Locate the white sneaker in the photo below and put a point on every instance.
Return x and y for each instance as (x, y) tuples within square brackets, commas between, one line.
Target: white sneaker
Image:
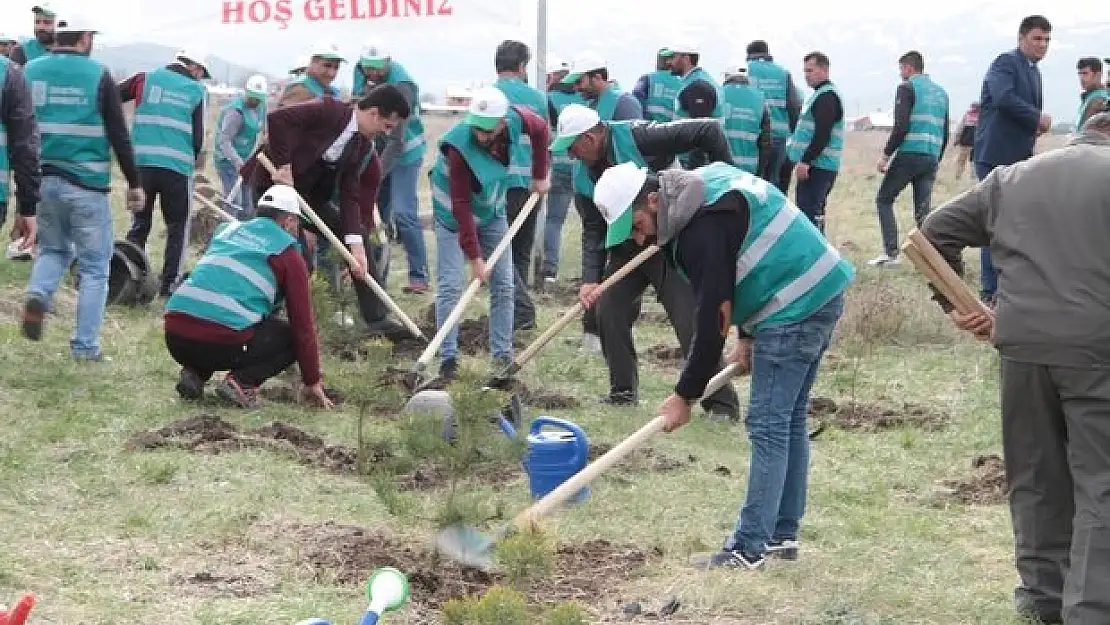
[(591, 343), (884, 259)]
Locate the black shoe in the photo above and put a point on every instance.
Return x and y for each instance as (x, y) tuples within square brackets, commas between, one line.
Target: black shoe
[(621, 398), (189, 385), (389, 329), (449, 370), (784, 548), (34, 309), (721, 412), (729, 559), (524, 324)]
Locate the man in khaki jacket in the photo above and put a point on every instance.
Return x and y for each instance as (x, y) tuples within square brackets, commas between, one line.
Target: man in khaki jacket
[(1046, 221)]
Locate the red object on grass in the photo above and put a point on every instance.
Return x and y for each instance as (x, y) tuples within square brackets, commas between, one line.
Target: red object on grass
[(18, 614)]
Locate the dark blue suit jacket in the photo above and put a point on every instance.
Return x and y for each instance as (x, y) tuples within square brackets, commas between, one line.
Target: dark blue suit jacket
[(1009, 111)]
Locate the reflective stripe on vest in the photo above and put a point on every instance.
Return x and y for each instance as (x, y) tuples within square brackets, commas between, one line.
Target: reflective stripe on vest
[(744, 106), (244, 141), (314, 87), (829, 158), (559, 100), (773, 81), (663, 88), (622, 149), (930, 107), (493, 177), (785, 269), (65, 92), (520, 160), (163, 128), (415, 145), (4, 166)]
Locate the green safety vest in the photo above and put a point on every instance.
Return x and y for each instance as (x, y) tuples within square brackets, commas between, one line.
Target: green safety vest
[(163, 126), (829, 159), (248, 133), (622, 149), (785, 270), (663, 88), (493, 177), (930, 108), (743, 123), (606, 103), (1097, 93), (5, 167), (699, 74), (774, 81), (314, 87), (32, 49), (233, 284), (559, 101), (65, 91), (415, 144), (520, 162)]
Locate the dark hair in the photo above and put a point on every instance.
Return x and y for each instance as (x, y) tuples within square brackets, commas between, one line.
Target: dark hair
[(758, 47), (819, 58), (651, 185), (388, 99), (1034, 22), (1091, 63), (694, 58), (511, 55), (603, 72), (914, 59), (68, 38)]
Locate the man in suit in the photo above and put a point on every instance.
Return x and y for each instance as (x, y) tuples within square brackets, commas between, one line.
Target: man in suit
[(319, 148), (1010, 117)]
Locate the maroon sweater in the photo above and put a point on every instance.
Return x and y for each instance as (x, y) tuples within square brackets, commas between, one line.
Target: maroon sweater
[(292, 278), (463, 182)]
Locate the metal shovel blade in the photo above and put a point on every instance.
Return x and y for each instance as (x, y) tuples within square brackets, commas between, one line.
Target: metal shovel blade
[(467, 546)]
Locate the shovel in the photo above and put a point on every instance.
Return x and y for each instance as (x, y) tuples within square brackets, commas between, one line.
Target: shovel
[(456, 313), (210, 205), (530, 352), (470, 547), (323, 228)]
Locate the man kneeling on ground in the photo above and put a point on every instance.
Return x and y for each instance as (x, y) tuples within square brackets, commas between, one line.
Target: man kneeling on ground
[(222, 317)]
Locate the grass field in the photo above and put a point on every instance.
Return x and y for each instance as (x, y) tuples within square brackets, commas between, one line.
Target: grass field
[(901, 527)]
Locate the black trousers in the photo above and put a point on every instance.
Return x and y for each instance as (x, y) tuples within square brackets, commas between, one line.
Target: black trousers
[(370, 306), (174, 196), (619, 307), (524, 310), (269, 352)]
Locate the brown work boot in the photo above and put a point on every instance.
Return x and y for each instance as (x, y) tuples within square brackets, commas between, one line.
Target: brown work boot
[(34, 309)]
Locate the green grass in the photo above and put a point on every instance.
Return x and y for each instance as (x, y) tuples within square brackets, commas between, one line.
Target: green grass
[(105, 535)]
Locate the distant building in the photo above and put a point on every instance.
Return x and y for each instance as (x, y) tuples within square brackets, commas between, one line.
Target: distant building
[(877, 120)]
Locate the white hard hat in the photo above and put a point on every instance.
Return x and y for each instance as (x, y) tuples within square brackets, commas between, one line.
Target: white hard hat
[(301, 63), (584, 63), (739, 68), (191, 55), (281, 197), (685, 47), (556, 64), (574, 120), (614, 194), (325, 50), (77, 24), (488, 106), (373, 55), (257, 87)]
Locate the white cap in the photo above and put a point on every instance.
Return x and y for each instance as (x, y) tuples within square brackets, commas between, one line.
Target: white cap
[(283, 198), (257, 86), (573, 121), (556, 64), (301, 63), (583, 63), (488, 106), (6, 39), (685, 47), (325, 50), (739, 68), (192, 55), (77, 24), (614, 194), (373, 55)]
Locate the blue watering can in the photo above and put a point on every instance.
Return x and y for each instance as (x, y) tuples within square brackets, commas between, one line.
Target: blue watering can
[(555, 455)]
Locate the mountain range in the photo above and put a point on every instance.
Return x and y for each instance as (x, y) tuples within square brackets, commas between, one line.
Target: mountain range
[(125, 60)]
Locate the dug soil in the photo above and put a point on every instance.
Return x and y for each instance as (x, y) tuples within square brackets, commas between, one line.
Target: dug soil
[(646, 459), (346, 555), (985, 486), (559, 294), (874, 417), (473, 337), (665, 354)]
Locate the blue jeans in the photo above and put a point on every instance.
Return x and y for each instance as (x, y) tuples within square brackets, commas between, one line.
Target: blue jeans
[(558, 202), (812, 193), (244, 200), (74, 222), (774, 167), (452, 275), (402, 209), (905, 168), (785, 360), (988, 279)]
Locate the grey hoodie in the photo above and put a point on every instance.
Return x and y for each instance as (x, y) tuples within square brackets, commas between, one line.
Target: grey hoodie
[(681, 195)]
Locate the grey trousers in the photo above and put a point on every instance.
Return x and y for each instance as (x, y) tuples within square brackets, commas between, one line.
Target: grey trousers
[(1056, 437), (619, 307)]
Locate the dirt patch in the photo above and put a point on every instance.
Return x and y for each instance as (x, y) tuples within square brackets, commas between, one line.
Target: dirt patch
[(473, 336), (645, 459), (667, 354), (545, 400), (874, 417), (431, 476), (211, 584), (346, 555), (986, 485), (558, 293), (211, 434)]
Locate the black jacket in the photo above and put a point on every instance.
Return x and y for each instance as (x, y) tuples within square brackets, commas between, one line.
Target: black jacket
[(659, 143), (18, 116)]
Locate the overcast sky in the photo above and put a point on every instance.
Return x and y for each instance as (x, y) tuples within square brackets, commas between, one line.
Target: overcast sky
[(627, 31)]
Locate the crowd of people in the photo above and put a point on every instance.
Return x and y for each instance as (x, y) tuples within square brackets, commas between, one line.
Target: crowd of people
[(694, 166)]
